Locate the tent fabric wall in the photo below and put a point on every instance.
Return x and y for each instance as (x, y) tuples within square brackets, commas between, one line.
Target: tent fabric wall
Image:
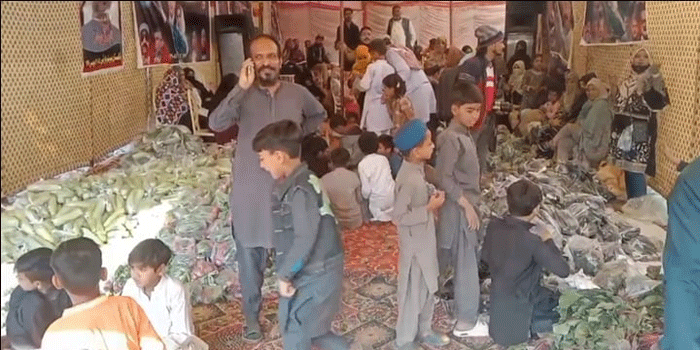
[(431, 19)]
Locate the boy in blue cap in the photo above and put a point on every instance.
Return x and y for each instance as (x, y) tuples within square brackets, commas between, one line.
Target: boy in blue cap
[(415, 210)]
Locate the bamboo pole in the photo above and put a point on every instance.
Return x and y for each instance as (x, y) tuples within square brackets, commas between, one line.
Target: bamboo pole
[(342, 58)]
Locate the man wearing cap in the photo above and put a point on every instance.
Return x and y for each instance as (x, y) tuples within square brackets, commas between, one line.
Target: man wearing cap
[(481, 69), (414, 214)]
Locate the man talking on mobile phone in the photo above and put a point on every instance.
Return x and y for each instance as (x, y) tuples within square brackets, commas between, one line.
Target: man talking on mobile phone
[(260, 98)]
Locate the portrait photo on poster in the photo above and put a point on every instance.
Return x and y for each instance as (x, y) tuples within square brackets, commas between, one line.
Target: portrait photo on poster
[(232, 7), (560, 27), (172, 32), (614, 23), (101, 36)]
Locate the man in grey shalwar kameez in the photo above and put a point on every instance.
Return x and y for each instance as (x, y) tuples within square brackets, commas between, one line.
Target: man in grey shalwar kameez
[(260, 98), (414, 215), (457, 165)]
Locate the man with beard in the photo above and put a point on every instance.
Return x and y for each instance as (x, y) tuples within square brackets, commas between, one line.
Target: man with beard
[(260, 98), (351, 38)]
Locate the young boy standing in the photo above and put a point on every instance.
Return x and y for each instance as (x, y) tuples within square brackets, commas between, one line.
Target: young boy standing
[(414, 214), (162, 298), (35, 303), (375, 176), (309, 250), (457, 166), (95, 321), (516, 255)]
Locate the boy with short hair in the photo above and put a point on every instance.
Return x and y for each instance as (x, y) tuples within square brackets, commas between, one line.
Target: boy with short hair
[(162, 298), (417, 203), (516, 251), (376, 179), (95, 321), (457, 166), (344, 191), (349, 132), (35, 303), (387, 149), (309, 250)]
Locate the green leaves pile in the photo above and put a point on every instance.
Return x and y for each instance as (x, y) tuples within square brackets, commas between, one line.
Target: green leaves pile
[(601, 320)]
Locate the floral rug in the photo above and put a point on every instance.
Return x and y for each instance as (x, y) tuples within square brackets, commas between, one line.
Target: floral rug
[(368, 310)]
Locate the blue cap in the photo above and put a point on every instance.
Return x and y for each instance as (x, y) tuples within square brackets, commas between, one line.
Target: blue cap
[(410, 135)]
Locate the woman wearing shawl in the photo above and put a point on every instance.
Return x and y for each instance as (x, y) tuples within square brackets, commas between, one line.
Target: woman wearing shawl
[(520, 54), (588, 138), (171, 98), (638, 100), (515, 82)]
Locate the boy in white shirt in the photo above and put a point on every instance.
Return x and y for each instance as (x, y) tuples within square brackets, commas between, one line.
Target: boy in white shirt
[(375, 177), (375, 115), (162, 298)]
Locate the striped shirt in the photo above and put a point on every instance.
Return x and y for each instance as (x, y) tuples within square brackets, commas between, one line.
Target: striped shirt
[(105, 323)]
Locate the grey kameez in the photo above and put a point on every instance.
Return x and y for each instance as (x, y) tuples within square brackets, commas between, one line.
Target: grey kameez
[(250, 200), (457, 166), (418, 264)]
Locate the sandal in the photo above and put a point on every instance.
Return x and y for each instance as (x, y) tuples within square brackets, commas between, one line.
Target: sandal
[(252, 336)]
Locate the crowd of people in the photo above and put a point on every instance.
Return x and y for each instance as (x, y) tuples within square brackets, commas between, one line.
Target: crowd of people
[(407, 144)]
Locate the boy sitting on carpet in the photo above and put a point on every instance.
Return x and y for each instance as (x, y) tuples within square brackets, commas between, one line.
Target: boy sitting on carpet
[(415, 208), (95, 321), (344, 191), (516, 251), (35, 303), (387, 149), (375, 176), (162, 298), (309, 250)]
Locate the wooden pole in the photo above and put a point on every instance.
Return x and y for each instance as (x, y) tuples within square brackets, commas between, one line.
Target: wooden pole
[(450, 24), (342, 58)]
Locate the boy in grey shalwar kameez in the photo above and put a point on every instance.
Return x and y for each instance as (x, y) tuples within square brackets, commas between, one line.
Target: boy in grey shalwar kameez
[(309, 250), (415, 207), (457, 165)]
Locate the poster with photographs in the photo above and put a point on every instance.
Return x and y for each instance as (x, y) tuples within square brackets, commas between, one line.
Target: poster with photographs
[(232, 7), (560, 28), (101, 35), (614, 23), (172, 32)]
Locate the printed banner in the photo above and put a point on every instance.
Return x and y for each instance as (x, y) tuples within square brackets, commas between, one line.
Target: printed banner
[(232, 7), (172, 32), (560, 28), (614, 23), (102, 36)]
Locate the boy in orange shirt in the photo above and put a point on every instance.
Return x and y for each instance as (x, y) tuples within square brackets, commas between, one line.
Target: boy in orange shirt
[(95, 321)]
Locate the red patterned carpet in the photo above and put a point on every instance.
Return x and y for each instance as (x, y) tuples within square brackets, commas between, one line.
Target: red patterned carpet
[(368, 312)]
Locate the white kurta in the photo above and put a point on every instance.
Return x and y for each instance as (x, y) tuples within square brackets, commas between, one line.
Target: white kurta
[(418, 87), (169, 311), (398, 36), (375, 115), (377, 186)]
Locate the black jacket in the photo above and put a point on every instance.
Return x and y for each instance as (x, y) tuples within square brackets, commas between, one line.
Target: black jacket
[(516, 258), (30, 314), (352, 35), (317, 54), (305, 234)]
